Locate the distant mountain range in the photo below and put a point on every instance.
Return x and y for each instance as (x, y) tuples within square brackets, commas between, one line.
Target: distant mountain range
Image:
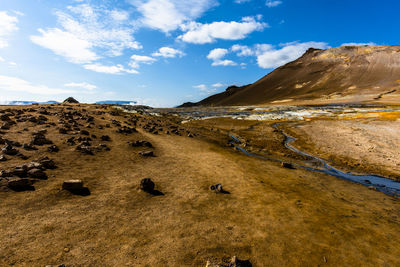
[(346, 74), (115, 102), (105, 102), (20, 103)]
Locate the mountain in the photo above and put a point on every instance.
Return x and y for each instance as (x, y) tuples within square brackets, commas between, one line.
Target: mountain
[(336, 75), (116, 102), (19, 103)]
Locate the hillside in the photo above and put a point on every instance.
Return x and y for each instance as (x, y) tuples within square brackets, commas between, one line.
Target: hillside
[(342, 74)]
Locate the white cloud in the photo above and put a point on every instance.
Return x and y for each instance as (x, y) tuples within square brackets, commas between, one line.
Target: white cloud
[(113, 69), (242, 50), (119, 15), (12, 63), (217, 53), (218, 85), (241, 1), (13, 84), (168, 52), (199, 33), (273, 3), (2, 59), (136, 60), (358, 44), (225, 62), (88, 33), (216, 56), (167, 15), (269, 56), (66, 44), (83, 85), (8, 25)]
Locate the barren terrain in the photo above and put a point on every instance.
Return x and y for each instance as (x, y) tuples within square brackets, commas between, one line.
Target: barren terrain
[(270, 215)]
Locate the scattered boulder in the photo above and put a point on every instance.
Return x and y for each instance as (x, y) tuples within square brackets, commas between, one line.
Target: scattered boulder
[(37, 173), (39, 139), (3, 158), (47, 163), (84, 132), (71, 100), (126, 130), (9, 150), (53, 148), (72, 185), (217, 188), (105, 138), (19, 184), (147, 185), (287, 165), (235, 262), (146, 153), (29, 147), (141, 143), (21, 171)]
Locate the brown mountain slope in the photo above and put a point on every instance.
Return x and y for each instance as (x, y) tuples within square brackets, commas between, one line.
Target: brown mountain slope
[(342, 74)]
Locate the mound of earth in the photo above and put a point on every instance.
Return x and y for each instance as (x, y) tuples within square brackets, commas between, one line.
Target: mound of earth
[(71, 100), (342, 74)]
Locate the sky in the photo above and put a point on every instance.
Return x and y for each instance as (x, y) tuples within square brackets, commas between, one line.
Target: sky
[(163, 53)]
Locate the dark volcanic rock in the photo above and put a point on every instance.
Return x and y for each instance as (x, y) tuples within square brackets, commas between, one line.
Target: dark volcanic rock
[(147, 185), (9, 150), (235, 262), (37, 173), (141, 143), (3, 158), (72, 185), (19, 184), (146, 153), (53, 148), (105, 138)]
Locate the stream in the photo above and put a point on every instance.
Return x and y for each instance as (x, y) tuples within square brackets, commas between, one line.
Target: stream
[(382, 184)]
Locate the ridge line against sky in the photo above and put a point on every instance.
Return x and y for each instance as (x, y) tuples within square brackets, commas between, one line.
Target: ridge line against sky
[(165, 52)]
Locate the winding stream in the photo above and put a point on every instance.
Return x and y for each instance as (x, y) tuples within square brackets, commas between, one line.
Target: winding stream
[(380, 183)]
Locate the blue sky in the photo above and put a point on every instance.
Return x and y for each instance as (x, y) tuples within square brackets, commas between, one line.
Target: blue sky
[(166, 52)]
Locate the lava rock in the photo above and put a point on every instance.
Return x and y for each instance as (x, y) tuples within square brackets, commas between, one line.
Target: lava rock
[(147, 185), (105, 138), (287, 165), (47, 163), (53, 148), (217, 188), (72, 185), (235, 262), (37, 173), (19, 183), (9, 150), (146, 153), (141, 143)]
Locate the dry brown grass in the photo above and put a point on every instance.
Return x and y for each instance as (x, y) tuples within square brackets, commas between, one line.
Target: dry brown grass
[(272, 216)]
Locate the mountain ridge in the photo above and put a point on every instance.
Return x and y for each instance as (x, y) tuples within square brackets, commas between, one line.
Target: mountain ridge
[(341, 74)]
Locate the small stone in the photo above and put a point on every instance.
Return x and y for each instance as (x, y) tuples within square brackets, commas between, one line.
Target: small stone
[(235, 262), (146, 153), (105, 138), (147, 185), (3, 158), (19, 183), (53, 148), (37, 173), (72, 185), (287, 165)]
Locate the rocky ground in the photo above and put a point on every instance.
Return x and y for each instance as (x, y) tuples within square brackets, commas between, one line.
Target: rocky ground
[(267, 214)]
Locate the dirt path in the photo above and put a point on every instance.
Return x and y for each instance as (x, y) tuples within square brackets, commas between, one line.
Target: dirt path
[(272, 216)]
